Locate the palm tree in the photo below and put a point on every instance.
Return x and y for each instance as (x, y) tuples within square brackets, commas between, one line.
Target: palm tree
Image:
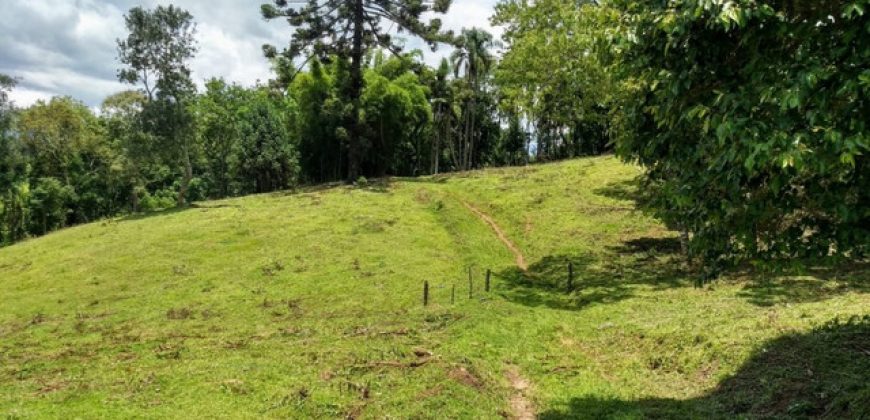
[(472, 58)]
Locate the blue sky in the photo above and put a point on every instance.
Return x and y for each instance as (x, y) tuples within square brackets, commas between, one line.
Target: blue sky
[(67, 47)]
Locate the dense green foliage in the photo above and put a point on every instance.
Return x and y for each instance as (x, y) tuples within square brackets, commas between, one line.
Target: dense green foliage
[(155, 54), (752, 120), (413, 117), (349, 29), (267, 155), (11, 169), (751, 117), (58, 170), (552, 74)]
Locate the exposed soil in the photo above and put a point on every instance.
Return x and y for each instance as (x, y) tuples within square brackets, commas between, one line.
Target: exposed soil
[(462, 375), (518, 255), (521, 406)]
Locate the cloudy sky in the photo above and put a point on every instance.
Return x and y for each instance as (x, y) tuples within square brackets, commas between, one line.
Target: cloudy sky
[(68, 47)]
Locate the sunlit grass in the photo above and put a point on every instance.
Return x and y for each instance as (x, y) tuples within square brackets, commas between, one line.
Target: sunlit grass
[(308, 304)]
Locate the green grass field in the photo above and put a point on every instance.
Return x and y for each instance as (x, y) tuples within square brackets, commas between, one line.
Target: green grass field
[(309, 305)]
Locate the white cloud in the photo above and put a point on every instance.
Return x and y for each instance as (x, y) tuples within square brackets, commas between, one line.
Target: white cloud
[(26, 97), (223, 55), (95, 24), (64, 47), (60, 79)]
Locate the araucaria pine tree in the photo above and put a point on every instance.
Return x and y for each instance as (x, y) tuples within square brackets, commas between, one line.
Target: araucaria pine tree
[(349, 28)]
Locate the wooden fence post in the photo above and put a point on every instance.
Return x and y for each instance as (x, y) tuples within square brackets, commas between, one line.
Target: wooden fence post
[(470, 284), (453, 294), (570, 276), (488, 273), (425, 293)]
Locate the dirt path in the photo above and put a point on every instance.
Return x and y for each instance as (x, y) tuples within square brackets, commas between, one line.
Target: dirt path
[(518, 256), (520, 405)]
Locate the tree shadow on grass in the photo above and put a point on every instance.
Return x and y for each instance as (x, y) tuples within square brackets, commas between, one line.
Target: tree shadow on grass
[(810, 285), (306, 189), (663, 246), (606, 278), (627, 190), (427, 179), (824, 373), (201, 206), (377, 185), (149, 214), (655, 263)]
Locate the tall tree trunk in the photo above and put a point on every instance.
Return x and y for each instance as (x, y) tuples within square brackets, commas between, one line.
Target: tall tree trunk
[(353, 155), (224, 176), (417, 154), (437, 154), (185, 179), (134, 200), (472, 116), (468, 134), (473, 133), (684, 241), (382, 161), (527, 138), (436, 145), (454, 143)]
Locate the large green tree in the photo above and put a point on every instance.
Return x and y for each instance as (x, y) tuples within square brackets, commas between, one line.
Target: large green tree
[(552, 73), (120, 113), (13, 209), (751, 118), (218, 124), (348, 29), (320, 114), (155, 53), (395, 113), (9, 153), (56, 134), (72, 165), (268, 158)]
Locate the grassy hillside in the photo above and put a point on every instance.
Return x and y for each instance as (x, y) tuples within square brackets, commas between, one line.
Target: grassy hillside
[(308, 304)]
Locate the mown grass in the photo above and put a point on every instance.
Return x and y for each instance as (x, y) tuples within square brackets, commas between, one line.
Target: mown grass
[(308, 304)]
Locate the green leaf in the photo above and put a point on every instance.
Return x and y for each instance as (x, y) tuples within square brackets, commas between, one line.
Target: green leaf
[(853, 9)]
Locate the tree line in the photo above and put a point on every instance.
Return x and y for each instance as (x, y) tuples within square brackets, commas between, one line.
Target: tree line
[(164, 143), (749, 117)]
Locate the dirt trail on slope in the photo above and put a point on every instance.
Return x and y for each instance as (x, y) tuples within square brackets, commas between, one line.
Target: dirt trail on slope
[(520, 405), (518, 256)]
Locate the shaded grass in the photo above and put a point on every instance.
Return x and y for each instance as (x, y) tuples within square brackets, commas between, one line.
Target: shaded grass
[(818, 374), (307, 304)]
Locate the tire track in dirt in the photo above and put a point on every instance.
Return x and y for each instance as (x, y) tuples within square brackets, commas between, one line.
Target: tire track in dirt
[(518, 255)]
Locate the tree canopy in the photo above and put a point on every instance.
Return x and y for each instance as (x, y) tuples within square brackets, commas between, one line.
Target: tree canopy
[(156, 51), (751, 119), (348, 29)]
